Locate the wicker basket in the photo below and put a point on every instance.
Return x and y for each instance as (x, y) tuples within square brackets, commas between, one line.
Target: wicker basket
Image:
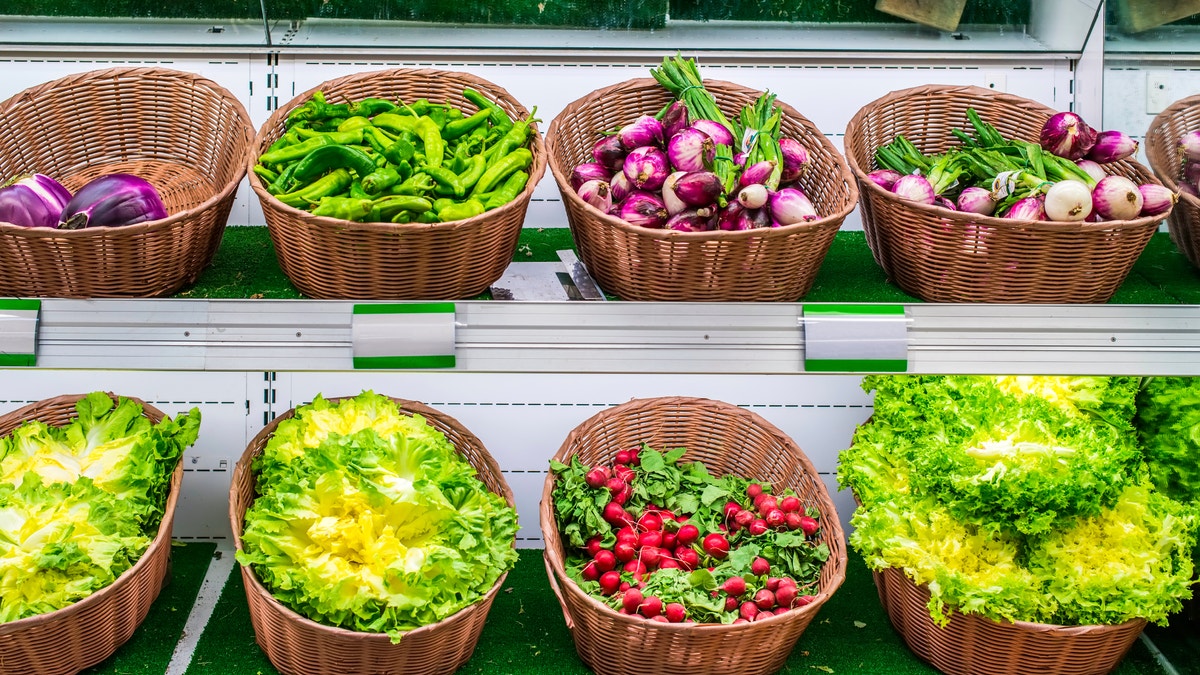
[(973, 645), (297, 645), (1166, 159), (947, 256), (638, 263), (87, 632), (727, 439), (331, 258), (184, 133)]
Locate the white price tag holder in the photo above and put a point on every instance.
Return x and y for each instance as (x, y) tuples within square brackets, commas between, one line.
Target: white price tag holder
[(855, 338), (18, 332), (403, 335)]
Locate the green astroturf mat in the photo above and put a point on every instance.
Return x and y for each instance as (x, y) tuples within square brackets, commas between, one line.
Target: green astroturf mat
[(150, 648), (245, 267), (526, 635)]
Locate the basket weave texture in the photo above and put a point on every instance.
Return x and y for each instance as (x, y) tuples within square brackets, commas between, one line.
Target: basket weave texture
[(1166, 159), (728, 439), (185, 134), (331, 258), (297, 645), (639, 263), (972, 645), (948, 256), (87, 632)]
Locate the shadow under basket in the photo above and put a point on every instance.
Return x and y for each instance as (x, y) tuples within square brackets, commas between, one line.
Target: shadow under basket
[(973, 645), (185, 134), (1166, 159), (332, 258), (297, 645), (640, 263), (727, 439), (940, 255), (83, 634)]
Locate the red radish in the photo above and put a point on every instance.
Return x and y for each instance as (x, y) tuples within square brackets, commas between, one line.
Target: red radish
[(759, 526), (660, 618), (634, 459), (651, 555), (759, 500), (759, 566), (775, 518), (753, 490), (731, 509), (744, 517), (632, 600), (772, 584), (627, 533), (594, 545), (786, 595), (675, 612), (651, 607), (650, 522), (748, 610), (635, 567), (716, 545), (764, 599), (615, 514), (687, 535), (625, 585), (668, 564), (793, 520), (739, 620), (622, 457), (767, 505), (625, 551), (650, 539), (668, 540), (614, 484), (595, 478), (781, 610), (590, 572), (625, 473), (735, 586), (605, 560), (731, 603), (789, 504), (804, 600), (809, 525), (609, 582), (688, 558), (622, 497)]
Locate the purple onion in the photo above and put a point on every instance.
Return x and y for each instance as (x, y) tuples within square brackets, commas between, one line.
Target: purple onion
[(1117, 198), (691, 220), (644, 131), (1191, 173), (915, 188), (720, 134), (1189, 144), (944, 202), (739, 159), (976, 200), (728, 217), (1112, 146), (795, 159), (1092, 168), (1029, 208), (752, 219), (597, 193), (644, 209), (619, 186), (884, 178), (609, 152), (790, 205), (586, 172), (699, 188), (691, 150), (672, 201), (1068, 201), (112, 201), (1156, 199), (646, 167), (1067, 135), (758, 172), (1185, 189), (675, 119), (33, 201), (753, 196)]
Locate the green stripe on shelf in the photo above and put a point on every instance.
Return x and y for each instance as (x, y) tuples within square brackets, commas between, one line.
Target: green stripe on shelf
[(852, 309), (403, 362), (856, 365), (406, 308), (18, 360), (20, 304)]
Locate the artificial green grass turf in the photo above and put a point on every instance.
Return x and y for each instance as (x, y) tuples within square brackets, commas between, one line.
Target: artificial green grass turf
[(526, 635), (153, 643)]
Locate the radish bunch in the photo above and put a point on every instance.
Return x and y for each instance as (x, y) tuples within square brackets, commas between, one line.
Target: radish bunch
[(668, 542)]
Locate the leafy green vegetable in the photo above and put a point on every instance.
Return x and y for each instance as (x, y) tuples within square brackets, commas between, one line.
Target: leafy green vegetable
[(80, 504), (368, 519), (1169, 427)]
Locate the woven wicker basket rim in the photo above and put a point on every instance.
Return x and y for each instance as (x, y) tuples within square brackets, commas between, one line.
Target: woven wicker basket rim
[(160, 539), (1168, 177), (718, 235), (933, 90), (152, 225), (536, 170), (561, 582), (237, 522)]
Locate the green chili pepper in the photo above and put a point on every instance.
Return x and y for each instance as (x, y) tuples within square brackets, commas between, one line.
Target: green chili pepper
[(513, 138), (369, 107), (294, 152), (317, 109), (380, 179), (328, 185), (378, 139), (395, 123), (420, 106), (329, 157), (427, 217), (431, 138), (387, 207), (465, 125), (347, 137), (474, 171), (416, 184), (356, 122), (446, 179), (268, 176), (344, 208), (507, 192), (283, 183), (498, 116), (497, 171), (357, 191), (461, 210), (437, 115), (283, 141), (400, 151)]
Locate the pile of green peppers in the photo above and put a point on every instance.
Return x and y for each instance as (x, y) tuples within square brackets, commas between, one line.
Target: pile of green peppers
[(376, 160)]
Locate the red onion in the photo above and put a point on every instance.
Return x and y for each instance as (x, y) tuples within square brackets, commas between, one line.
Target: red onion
[(790, 205), (976, 200), (717, 131), (609, 152), (691, 150), (699, 188), (752, 219), (675, 119), (756, 173), (644, 209), (1029, 208), (1067, 135), (944, 202), (691, 220), (112, 201), (33, 201), (596, 193), (1112, 146), (1117, 198), (727, 218), (1092, 168), (914, 187), (582, 173), (1190, 145), (1191, 173), (1068, 201), (619, 186), (753, 196), (1156, 199), (1185, 189), (646, 167), (795, 159), (672, 201), (644, 131), (884, 178)]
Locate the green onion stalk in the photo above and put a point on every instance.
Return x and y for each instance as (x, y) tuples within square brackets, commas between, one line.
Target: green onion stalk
[(681, 77)]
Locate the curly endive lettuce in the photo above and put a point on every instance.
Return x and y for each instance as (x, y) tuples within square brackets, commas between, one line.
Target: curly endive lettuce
[(369, 520), (1169, 427), (876, 465)]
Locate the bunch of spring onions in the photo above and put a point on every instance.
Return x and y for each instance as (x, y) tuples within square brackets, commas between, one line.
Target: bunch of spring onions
[(690, 168), (1059, 179)]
